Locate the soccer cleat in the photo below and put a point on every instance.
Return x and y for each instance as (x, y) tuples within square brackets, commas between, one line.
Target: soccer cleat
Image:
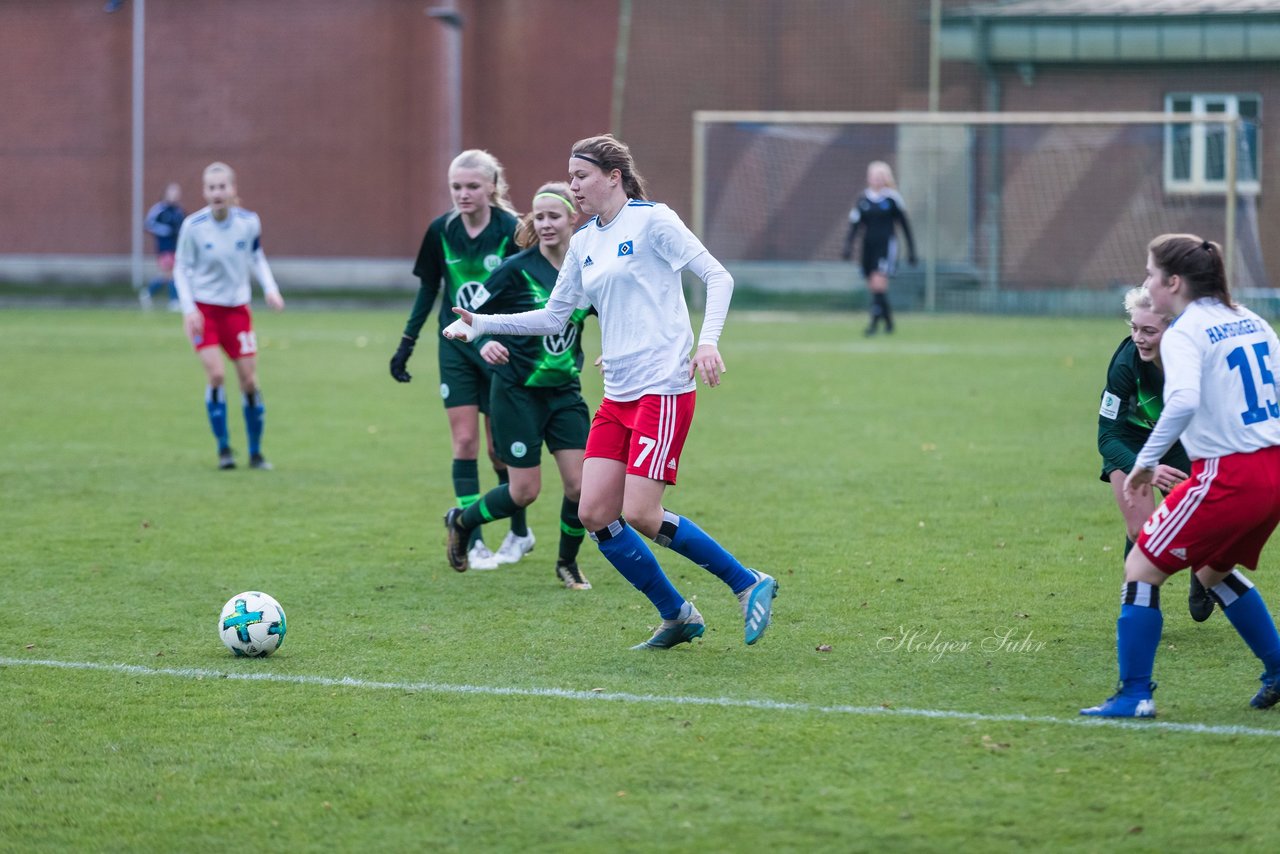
[(682, 629), (1199, 601), (1269, 694), (481, 558), (514, 547), (455, 540), (226, 460), (757, 606), (571, 576), (1122, 705), (257, 461)]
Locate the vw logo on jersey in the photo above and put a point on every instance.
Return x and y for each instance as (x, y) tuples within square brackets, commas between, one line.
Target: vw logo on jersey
[(518, 449), (626, 248), (491, 263), (562, 343), (473, 295)]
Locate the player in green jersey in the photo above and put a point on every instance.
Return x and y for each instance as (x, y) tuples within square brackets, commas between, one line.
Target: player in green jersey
[(536, 395), (459, 251), (1131, 405)]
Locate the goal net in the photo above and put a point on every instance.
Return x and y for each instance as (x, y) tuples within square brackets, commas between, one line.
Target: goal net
[(1029, 211)]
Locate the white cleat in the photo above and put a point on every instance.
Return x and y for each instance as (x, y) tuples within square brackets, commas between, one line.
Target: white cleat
[(514, 547), (480, 558)]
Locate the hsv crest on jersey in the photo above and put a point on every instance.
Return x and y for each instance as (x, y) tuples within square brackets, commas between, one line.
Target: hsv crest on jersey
[(625, 248)]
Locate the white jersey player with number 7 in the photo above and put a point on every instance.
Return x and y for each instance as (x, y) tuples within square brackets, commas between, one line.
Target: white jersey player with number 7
[(626, 261), (1222, 399), (217, 247)]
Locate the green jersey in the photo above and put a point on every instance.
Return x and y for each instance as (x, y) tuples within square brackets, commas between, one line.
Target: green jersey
[(449, 255), (1131, 404), (523, 283)]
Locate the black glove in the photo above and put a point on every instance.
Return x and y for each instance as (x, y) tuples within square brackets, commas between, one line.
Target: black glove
[(400, 361)]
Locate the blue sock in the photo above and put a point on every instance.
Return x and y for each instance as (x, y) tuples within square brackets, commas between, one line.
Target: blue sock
[(215, 402), (1244, 607), (683, 537), (1138, 635), (627, 551), (255, 414)]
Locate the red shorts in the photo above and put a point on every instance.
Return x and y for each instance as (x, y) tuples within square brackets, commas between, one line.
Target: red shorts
[(230, 327), (646, 434), (164, 261), (1221, 516)]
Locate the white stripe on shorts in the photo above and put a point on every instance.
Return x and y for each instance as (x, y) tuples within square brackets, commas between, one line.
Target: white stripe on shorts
[(1169, 527)]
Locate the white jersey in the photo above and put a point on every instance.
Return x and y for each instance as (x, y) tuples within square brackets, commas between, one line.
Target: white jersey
[(629, 270), (1220, 389), (214, 259)]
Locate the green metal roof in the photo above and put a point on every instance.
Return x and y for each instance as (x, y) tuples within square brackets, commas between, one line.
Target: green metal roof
[(1114, 31)]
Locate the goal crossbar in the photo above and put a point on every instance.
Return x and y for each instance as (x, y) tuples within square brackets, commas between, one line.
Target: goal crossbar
[(1230, 121)]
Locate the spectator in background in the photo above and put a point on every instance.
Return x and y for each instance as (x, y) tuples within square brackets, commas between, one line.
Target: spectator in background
[(163, 222), (878, 212)]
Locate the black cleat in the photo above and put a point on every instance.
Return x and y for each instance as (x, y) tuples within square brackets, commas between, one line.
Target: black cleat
[(225, 459), (571, 576), (257, 461), (455, 539), (1199, 601), (1269, 694)]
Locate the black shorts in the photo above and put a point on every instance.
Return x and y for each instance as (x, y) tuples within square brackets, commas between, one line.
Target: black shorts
[(524, 418), (464, 377)]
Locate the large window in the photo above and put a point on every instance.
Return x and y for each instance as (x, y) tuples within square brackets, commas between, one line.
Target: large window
[(1196, 154)]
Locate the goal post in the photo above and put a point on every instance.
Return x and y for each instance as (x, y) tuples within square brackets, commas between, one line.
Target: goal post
[(1013, 211)]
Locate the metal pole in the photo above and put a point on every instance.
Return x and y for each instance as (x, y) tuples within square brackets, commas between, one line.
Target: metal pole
[(620, 66), (1229, 239), (452, 19), (137, 213), (934, 137)]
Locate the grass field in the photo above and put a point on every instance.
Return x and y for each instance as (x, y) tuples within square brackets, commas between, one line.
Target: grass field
[(949, 567)]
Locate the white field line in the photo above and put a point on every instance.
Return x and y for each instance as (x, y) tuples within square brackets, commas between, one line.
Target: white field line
[(655, 699)]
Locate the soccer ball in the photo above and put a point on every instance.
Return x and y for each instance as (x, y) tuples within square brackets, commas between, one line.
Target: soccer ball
[(252, 624)]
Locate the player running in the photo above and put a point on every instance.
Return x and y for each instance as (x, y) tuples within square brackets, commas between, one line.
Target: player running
[(535, 395), (461, 249), (626, 262)]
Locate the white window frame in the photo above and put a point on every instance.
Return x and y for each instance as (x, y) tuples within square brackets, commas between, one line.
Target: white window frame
[(1197, 183)]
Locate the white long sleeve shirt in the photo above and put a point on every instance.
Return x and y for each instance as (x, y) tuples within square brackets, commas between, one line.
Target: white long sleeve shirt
[(1220, 386), (630, 270), (214, 259)]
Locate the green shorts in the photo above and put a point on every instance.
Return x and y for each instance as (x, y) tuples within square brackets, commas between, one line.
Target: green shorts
[(524, 418), (464, 377)]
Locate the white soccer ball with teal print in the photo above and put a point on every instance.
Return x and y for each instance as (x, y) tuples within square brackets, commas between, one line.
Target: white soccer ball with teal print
[(252, 624)]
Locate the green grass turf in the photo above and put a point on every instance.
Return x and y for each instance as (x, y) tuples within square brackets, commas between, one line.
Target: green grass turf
[(939, 484)]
